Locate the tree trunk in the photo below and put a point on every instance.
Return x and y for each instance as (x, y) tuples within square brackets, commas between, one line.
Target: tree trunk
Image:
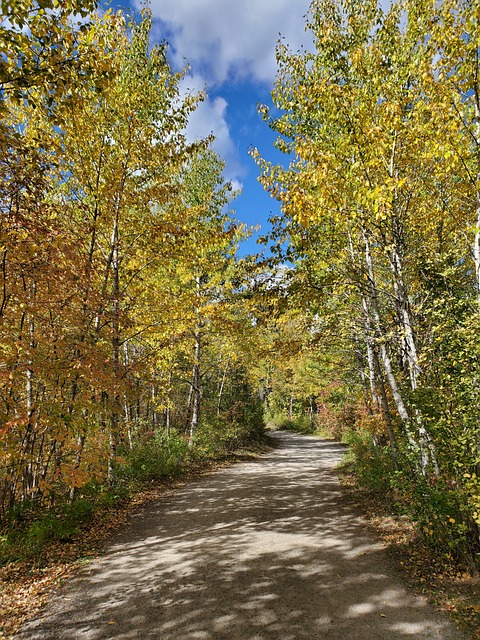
[(195, 388), (385, 358), (114, 413), (386, 413), (222, 386), (78, 458), (476, 246), (290, 407), (403, 312), (369, 343), (424, 448), (28, 443)]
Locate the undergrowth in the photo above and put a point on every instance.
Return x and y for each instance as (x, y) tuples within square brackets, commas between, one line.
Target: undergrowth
[(439, 506), (446, 578), (32, 526), (297, 424)]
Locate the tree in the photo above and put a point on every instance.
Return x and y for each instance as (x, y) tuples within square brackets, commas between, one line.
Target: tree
[(84, 221), (39, 47), (379, 196)]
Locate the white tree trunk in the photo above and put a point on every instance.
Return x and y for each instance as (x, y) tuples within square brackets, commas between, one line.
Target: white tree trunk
[(195, 388), (385, 358), (196, 369), (222, 386)]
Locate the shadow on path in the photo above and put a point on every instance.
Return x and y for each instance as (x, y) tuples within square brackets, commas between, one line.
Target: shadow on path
[(264, 550)]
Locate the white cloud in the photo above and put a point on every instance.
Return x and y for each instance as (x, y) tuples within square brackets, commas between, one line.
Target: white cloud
[(227, 39), (236, 185), (211, 117)]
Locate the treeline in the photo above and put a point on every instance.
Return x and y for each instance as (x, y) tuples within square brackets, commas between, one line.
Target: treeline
[(381, 204), (124, 348)]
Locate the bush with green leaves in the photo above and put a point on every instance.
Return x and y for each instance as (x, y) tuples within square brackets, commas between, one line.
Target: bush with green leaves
[(242, 425), (441, 507), (153, 459), (30, 528), (373, 464), (298, 424)]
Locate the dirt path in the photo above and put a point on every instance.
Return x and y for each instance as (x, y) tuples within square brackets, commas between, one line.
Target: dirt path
[(264, 550)]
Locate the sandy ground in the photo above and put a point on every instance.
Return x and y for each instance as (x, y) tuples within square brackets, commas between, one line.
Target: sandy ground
[(264, 550)]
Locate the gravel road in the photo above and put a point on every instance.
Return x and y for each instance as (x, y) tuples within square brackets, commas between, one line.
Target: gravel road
[(263, 550)]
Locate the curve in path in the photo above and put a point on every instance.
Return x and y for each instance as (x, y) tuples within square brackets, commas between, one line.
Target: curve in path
[(264, 550)]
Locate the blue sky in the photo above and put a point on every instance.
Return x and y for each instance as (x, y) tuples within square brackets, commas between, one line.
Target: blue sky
[(230, 46)]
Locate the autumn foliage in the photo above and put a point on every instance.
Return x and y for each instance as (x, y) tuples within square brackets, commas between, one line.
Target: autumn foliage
[(133, 339), (117, 265), (381, 209)]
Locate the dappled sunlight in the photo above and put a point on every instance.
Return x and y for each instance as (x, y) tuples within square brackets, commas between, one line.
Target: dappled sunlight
[(263, 550)]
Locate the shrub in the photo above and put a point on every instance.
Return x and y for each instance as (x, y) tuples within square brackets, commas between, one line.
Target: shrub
[(373, 464), (300, 424), (240, 426), (444, 516), (29, 535), (442, 510), (154, 459)]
